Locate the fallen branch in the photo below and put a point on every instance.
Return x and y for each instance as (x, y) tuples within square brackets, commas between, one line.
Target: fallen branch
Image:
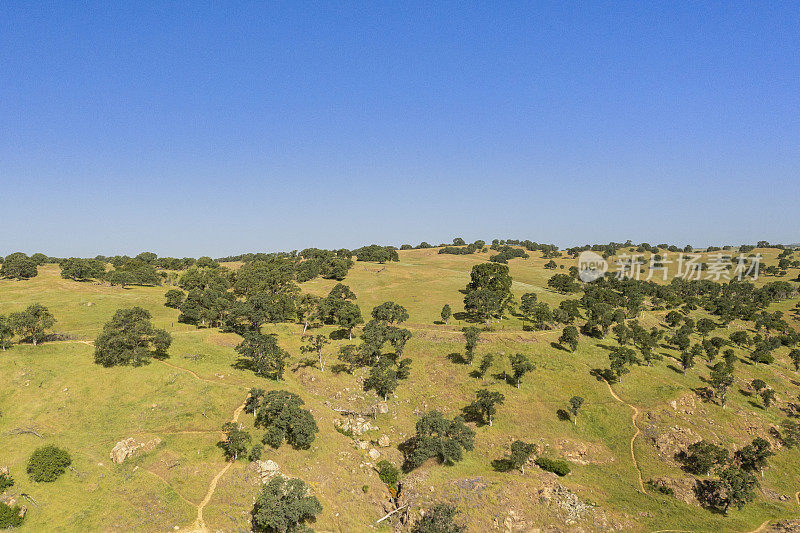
[(349, 412), (25, 431), (29, 498), (391, 513)]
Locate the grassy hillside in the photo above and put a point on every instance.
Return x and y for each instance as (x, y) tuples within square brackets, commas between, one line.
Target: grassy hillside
[(57, 390)]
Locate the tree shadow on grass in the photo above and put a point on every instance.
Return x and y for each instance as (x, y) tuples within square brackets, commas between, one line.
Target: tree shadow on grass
[(563, 415), (339, 335), (704, 393), (340, 368), (502, 465), (559, 347), (305, 363), (457, 358), (472, 413), (603, 374), (675, 369), (756, 405)]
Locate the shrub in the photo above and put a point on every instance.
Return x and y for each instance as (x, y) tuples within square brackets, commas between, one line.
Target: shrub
[(659, 487), (10, 516), (6, 481), (556, 466), (47, 463), (255, 452), (388, 473)]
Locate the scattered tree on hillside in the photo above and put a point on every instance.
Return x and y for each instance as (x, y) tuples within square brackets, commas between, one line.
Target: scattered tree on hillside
[(575, 404), (520, 365), (527, 305), (390, 313), (281, 414), (569, 337), (82, 269), (378, 254), (753, 457), (622, 358), (483, 409), (485, 365), (383, 377), (33, 322), (767, 396), (348, 316), (705, 326), (738, 487), (794, 355), (702, 457), (236, 441), (18, 266), (174, 298), (284, 506), (441, 518), (520, 454), (687, 359), (262, 355), (6, 332), (471, 335), (740, 338), (489, 291), (308, 308), (446, 313), (438, 437), (721, 379), (129, 338), (314, 344), (790, 432)]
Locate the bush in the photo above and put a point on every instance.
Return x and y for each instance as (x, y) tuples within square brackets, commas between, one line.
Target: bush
[(388, 473), (47, 463), (556, 466), (255, 453), (6, 481), (659, 487), (10, 516)]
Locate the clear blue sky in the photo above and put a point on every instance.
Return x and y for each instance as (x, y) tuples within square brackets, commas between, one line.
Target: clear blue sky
[(201, 128)]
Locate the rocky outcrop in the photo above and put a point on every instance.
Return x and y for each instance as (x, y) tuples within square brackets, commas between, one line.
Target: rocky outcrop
[(672, 441), (128, 447), (353, 426), (267, 470), (557, 495)]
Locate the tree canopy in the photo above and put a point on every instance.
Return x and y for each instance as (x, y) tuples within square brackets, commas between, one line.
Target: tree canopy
[(129, 338)]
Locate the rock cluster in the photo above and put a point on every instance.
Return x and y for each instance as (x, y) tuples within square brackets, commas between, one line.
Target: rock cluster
[(674, 440), (127, 447), (267, 470), (561, 497), (356, 426)]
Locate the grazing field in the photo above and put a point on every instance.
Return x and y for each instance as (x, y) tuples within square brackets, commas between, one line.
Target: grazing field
[(54, 393)]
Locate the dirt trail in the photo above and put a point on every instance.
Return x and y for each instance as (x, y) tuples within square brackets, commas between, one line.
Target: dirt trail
[(761, 527), (199, 525), (633, 419)]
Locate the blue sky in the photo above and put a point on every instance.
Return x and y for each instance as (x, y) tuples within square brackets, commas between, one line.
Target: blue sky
[(201, 128)]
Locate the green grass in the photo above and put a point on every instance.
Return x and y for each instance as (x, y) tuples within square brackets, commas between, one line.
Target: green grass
[(73, 403)]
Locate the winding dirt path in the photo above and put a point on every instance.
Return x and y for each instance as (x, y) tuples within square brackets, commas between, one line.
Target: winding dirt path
[(199, 525), (633, 419), (760, 528)]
